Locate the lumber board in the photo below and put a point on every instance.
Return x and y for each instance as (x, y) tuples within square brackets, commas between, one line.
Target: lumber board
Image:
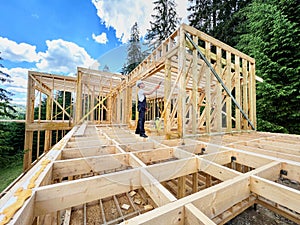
[(195, 217), (280, 194), (60, 196), (71, 167), (158, 193), (168, 171), (154, 155), (82, 152), (220, 172)]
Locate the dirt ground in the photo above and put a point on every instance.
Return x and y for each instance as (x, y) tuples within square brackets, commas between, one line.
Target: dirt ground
[(263, 216), (260, 216)]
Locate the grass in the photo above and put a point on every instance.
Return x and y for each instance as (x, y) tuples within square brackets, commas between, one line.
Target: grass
[(8, 175)]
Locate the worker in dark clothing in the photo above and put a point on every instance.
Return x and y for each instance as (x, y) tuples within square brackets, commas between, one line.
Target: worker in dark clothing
[(142, 107)]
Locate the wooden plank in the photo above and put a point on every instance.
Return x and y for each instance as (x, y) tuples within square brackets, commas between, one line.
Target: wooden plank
[(275, 155), (280, 194), (195, 77), (218, 105), (252, 160), (293, 171), (174, 169), (48, 126), (158, 193), (80, 131), (181, 187), (181, 117), (237, 92), (273, 148), (193, 216), (252, 94), (228, 98), (72, 153), (167, 93), (150, 156), (65, 195), (220, 172), (215, 202), (67, 217), (221, 158), (245, 92), (159, 216), (78, 108), (71, 167)]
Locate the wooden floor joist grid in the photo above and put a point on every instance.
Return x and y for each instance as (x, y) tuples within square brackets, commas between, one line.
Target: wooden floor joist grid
[(109, 175)]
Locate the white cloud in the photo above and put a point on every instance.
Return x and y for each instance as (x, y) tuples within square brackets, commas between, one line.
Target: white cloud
[(64, 57), (121, 17), (18, 86), (17, 89), (102, 38), (18, 52)]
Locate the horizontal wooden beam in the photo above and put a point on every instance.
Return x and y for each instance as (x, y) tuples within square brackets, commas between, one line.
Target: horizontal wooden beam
[(60, 196), (72, 153), (219, 198), (71, 167), (178, 168), (275, 192), (252, 160), (193, 216), (220, 172), (154, 155), (48, 126), (158, 193)]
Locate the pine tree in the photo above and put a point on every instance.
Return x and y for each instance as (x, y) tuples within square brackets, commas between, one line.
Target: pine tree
[(6, 109), (217, 18), (273, 39), (201, 15), (164, 22), (134, 52)]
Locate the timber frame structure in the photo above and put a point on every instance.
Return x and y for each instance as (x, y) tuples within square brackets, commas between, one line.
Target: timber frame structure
[(203, 164)]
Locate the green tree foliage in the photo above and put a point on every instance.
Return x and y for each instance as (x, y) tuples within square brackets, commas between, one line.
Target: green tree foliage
[(6, 109), (217, 18), (272, 37), (165, 22), (134, 52), (11, 140)]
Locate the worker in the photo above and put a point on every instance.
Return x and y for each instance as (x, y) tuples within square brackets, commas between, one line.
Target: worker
[(142, 107)]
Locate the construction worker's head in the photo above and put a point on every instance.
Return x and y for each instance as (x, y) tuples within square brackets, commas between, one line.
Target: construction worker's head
[(139, 83)]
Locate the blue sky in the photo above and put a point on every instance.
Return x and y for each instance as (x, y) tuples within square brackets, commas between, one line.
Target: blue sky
[(56, 36)]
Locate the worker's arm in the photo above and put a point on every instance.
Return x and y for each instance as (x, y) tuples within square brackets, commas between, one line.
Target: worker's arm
[(150, 92)]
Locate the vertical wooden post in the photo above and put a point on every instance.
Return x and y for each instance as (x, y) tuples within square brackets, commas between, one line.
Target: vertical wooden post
[(237, 92), (218, 103), (29, 120), (181, 117), (228, 98), (208, 180), (195, 76), (109, 110), (207, 99), (78, 97), (128, 111), (167, 92), (181, 187), (47, 144), (118, 110), (92, 115), (195, 182), (245, 92), (252, 89)]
